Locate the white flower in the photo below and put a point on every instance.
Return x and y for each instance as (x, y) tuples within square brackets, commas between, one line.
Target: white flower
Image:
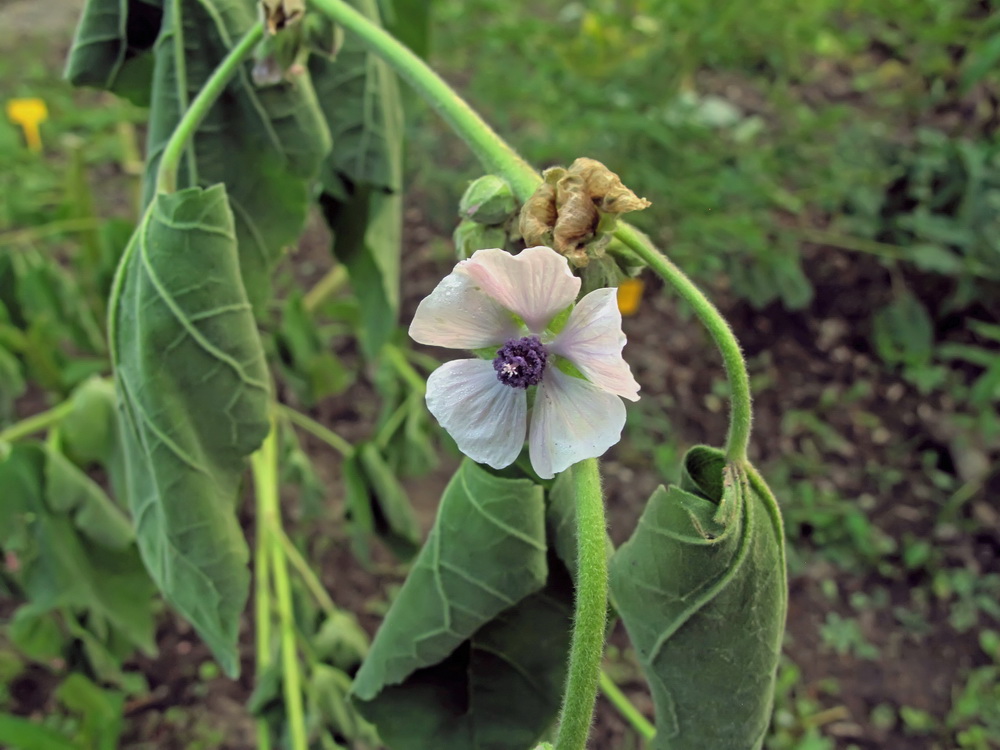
[(515, 307)]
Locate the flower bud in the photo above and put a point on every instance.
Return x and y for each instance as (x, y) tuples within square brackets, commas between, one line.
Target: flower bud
[(470, 236), (488, 200)]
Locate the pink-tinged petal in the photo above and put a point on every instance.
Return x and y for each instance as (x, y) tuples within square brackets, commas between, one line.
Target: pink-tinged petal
[(593, 341), (536, 284), (486, 418), (457, 315), (571, 420)]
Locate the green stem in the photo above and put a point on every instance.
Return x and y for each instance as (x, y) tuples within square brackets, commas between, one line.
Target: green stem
[(306, 573), (398, 360), (37, 422), (180, 80), (624, 706), (329, 284), (265, 470), (496, 156), (741, 413), (591, 609), (262, 604), (317, 430), (166, 176)]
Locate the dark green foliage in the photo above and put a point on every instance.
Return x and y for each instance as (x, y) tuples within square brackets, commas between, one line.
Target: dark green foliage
[(195, 394), (701, 589), (74, 552), (362, 178), (473, 651)]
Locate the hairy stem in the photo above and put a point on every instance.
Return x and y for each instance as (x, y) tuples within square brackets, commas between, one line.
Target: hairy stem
[(495, 155), (37, 422), (265, 471), (498, 157), (624, 706), (741, 415), (166, 175), (591, 610)]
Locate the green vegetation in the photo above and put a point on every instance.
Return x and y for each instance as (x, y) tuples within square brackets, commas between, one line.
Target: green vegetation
[(830, 168)]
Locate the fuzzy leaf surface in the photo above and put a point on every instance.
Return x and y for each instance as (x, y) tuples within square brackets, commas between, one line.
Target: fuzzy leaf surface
[(473, 652), (194, 393), (701, 589)]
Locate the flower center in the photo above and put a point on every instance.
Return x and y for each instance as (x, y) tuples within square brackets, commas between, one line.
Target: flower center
[(521, 362)]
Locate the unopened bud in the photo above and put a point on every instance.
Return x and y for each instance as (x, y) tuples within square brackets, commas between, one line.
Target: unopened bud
[(488, 200)]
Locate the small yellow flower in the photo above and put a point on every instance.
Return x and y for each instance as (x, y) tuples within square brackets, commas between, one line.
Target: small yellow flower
[(29, 114)]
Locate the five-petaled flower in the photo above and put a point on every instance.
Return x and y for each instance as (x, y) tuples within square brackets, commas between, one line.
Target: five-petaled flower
[(518, 310)]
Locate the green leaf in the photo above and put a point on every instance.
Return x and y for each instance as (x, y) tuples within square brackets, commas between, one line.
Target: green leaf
[(410, 22), (195, 393), (72, 492), (393, 516), (19, 732), (362, 178), (265, 144), (472, 653), (111, 46), (100, 711), (904, 332), (306, 361), (58, 566), (701, 589)]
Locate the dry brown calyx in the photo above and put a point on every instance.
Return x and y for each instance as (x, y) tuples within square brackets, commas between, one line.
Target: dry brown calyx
[(575, 210)]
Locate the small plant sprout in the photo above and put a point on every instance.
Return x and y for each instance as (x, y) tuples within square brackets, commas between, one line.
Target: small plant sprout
[(518, 314)]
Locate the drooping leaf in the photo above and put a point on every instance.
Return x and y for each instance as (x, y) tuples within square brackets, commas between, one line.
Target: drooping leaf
[(473, 651), (265, 144), (362, 177), (701, 589), (62, 565), (195, 393), (111, 48)]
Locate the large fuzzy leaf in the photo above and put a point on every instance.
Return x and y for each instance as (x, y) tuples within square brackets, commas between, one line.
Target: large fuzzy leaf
[(195, 392), (362, 178), (73, 547), (701, 589), (473, 652)]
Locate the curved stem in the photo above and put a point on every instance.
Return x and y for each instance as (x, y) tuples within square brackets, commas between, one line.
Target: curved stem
[(498, 157), (166, 175), (491, 150), (591, 609), (37, 422), (180, 82), (630, 713), (741, 414)]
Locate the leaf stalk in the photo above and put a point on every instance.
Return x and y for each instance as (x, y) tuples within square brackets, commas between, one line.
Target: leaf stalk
[(265, 470), (166, 175)]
